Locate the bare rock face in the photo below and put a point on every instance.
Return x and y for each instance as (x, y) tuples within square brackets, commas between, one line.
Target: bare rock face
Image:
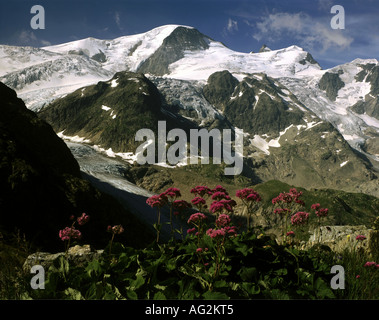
[(339, 238), (77, 255)]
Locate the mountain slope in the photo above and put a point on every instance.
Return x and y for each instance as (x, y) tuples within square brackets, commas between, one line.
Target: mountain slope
[(282, 100), (41, 184)]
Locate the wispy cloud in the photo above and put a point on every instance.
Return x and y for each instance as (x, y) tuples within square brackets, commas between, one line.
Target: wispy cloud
[(117, 20), (302, 28), (230, 28), (29, 38), (325, 5)]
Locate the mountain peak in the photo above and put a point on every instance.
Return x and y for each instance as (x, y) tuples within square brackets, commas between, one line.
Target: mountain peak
[(264, 48)]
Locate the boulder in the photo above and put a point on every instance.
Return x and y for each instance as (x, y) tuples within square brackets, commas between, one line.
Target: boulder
[(339, 238), (78, 255)]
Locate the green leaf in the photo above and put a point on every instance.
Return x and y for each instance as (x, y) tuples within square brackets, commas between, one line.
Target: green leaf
[(244, 249), (73, 294), (323, 290), (159, 287), (214, 295), (159, 296), (132, 295), (248, 274), (138, 282), (94, 267), (281, 272), (220, 284), (251, 288)]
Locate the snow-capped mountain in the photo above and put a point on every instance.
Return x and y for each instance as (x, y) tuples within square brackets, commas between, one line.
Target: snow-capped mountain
[(274, 95), (173, 51)]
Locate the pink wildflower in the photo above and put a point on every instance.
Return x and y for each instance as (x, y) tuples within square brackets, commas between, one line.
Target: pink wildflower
[(370, 264), (300, 218), (172, 193), (219, 189), (224, 204), (281, 211), (196, 217), (181, 204), (199, 250), (216, 233), (248, 194), (198, 201), (320, 212), (218, 195), (360, 237), (223, 220), (231, 230), (192, 230), (69, 233), (292, 196), (117, 229), (290, 234), (157, 200), (83, 219), (201, 191)]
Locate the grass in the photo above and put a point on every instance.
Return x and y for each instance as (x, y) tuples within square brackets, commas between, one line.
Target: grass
[(14, 249)]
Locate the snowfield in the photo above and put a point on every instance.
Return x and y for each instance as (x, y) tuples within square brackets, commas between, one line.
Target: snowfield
[(40, 75)]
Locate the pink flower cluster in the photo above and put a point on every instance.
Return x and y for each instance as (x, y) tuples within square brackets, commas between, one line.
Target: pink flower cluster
[(198, 201), (282, 211), (360, 237), (320, 212), (196, 218), (248, 194), (369, 264), (224, 204), (290, 234), (300, 218), (221, 233), (157, 201), (181, 205), (201, 191), (223, 220), (219, 195), (83, 219), (219, 189), (172, 193), (117, 229), (69, 233), (289, 197)]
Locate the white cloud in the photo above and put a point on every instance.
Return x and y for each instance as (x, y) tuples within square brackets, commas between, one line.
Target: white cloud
[(28, 38), (303, 29), (231, 27), (117, 20)]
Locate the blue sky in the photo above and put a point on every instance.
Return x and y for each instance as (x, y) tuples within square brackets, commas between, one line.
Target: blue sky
[(242, 25)]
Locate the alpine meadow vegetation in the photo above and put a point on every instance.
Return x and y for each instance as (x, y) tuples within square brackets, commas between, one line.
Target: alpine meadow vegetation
[(216, 257)]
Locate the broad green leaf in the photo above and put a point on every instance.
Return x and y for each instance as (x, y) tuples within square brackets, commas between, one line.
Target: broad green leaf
[(159, 296), (214, 295), (73, 294)]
